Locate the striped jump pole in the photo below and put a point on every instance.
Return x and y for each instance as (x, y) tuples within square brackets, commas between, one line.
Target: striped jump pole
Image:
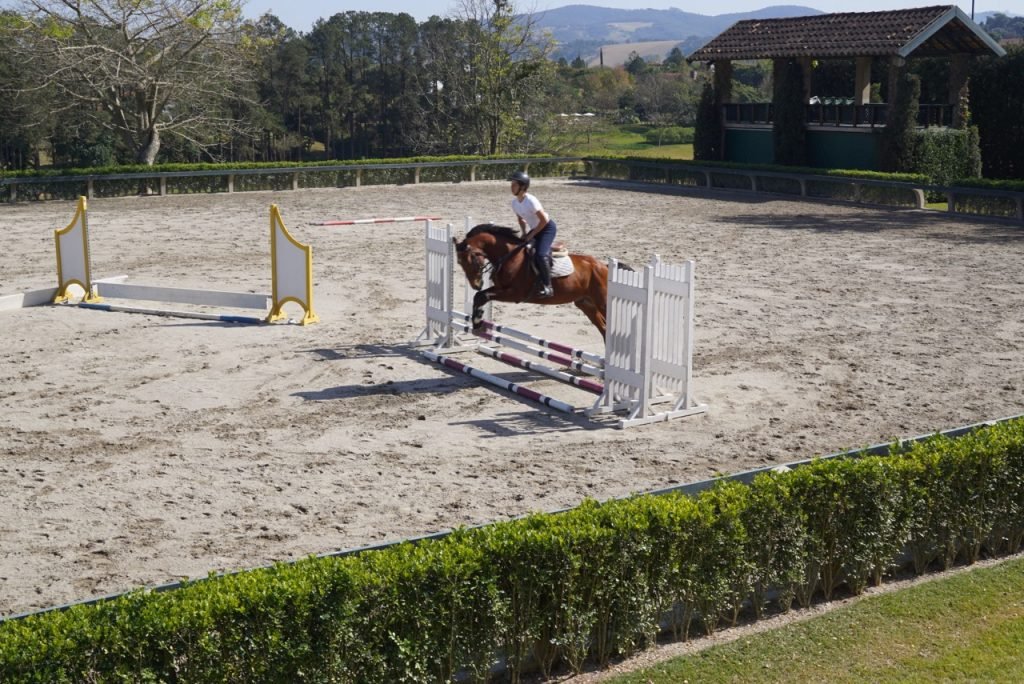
[(394, 219), (513, 360), (492, 327), (541, 353), (550, 402)]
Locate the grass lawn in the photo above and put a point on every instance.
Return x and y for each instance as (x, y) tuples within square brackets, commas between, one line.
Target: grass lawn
[(967, 627), (627, 139)]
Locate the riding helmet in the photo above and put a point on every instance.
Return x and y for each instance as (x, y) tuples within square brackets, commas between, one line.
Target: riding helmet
[(521, 178)]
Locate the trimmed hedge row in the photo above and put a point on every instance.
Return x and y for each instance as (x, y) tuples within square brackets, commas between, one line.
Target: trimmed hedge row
[(682, 164), (163, 168), (552, 590), (827, 184), (988, 184)]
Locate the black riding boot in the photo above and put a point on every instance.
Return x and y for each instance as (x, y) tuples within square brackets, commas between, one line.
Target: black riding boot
[(544, 271)]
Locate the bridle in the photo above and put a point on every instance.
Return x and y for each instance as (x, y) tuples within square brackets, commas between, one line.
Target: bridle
[(482, 263)]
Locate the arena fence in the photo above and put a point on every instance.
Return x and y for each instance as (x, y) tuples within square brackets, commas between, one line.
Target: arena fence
[(981, 202)]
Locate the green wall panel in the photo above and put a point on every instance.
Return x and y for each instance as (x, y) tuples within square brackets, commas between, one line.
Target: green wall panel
[(832, 149), (749, 145), (826, 149)]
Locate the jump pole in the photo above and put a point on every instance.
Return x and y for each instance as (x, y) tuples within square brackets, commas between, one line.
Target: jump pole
[(491, 327), (525, 392), (225, 318), (397, 219), (540, 353), (513, 360)]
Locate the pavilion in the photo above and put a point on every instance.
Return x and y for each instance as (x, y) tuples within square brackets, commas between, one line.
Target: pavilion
[(838, 125)]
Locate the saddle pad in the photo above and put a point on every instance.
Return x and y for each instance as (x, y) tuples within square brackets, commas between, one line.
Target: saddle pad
[(561, 266)]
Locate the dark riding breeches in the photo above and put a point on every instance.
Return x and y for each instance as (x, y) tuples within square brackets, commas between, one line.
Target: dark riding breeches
[(542, 244)]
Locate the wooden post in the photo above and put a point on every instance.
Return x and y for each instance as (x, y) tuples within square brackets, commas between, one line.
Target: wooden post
[(896, 65), (723, 93), (862, 87), (807, 66)]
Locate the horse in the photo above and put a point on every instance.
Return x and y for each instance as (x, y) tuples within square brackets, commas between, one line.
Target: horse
[(503, 252)]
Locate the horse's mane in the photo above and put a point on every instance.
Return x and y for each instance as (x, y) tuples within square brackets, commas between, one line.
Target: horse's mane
[(510, 234)]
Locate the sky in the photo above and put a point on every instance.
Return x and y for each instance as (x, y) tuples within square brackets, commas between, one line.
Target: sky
[(301, 14)]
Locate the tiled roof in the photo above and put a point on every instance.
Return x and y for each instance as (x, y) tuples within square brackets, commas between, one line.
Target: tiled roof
[(922, 31)]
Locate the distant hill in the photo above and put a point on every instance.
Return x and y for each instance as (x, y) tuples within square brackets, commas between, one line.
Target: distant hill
[(581, 30)]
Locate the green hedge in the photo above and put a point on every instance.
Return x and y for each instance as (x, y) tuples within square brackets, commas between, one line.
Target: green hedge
[(554, 590), (946, 154), (683, 164), (163, 168), (669, 135), (1007, 185)]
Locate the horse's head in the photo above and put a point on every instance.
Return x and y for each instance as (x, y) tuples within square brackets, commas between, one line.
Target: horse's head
[(485, 245), (472, 260)]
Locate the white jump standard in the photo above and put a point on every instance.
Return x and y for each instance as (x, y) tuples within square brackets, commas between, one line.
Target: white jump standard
[(648, 344), (291, 279)]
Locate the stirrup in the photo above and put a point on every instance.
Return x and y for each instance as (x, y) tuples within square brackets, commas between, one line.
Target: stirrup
[(545, 292)]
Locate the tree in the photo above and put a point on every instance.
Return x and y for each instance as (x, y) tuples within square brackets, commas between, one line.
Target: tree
[(707, 140), (636, 65), (1001, 26), (997, 98), (285, 87), (141, 68), (507, 66), (898, 138), (675, 59), (24, 115)]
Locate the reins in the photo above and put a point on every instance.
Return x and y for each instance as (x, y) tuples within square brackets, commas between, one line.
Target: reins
[(494, 267)]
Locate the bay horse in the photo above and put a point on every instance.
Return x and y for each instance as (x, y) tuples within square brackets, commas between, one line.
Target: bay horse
[(503, 252)]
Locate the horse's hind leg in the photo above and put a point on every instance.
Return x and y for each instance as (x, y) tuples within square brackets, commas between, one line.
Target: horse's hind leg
[(598, 297)]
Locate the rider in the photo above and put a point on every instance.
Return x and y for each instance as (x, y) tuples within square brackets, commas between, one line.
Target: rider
[(542, 229)]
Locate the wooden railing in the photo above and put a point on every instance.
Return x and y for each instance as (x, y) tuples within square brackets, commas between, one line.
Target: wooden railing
[(274, 178), (1002, 204), (829, 113), (960, 200)]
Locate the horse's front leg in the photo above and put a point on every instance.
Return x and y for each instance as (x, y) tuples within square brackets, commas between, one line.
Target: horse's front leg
[(480, 300)]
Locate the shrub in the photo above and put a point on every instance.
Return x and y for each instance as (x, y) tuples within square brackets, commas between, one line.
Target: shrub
[(590, 583), (669, 135)]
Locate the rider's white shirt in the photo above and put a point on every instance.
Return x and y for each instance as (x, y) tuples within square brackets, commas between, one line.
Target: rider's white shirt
[(527, 209)]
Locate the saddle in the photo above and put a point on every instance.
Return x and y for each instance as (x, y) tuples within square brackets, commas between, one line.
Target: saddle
[(561, 263)]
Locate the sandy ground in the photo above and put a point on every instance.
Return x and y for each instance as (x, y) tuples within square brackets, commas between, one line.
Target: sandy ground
[(138, 450)]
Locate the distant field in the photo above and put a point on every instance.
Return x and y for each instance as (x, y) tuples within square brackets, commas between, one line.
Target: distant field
[(617, 54), (627, 139)]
